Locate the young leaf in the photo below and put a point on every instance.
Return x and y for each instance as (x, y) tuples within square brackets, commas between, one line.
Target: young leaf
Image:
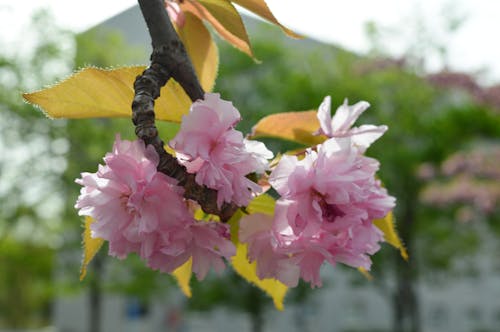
[(102, 93), (293, 126), (98, 93), (234, 224), (90, 247), (262, 204), (202, 50), (277, 290), (183, 276), (259, 7), (248, 271), (387, 226), (224, 18), (365, 273)]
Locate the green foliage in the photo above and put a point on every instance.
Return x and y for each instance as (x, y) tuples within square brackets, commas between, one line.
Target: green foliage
[(33, 151), (25, 284), (131, 278), (101, 47), (231, 291)]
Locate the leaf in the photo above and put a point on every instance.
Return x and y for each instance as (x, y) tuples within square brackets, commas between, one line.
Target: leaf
[(259, 7), (275, 289), (225, 19), (387, 226), (183, 276), (365, 273), (262, 204), (90, 247), (234, 224), (202, 50), (105, 93), (293, 126)]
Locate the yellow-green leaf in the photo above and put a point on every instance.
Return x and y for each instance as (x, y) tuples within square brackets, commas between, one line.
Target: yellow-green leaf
[(90, 247), (293, 126), (259, 7), (234, 224), (99, 93), (183, 276), (387, 226), (225, 19), (103, 93), (262, 204), (365, 273), (275, 289), (202, 50)]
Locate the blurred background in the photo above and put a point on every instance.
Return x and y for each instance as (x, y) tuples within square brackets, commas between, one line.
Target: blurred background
[(435, 88)]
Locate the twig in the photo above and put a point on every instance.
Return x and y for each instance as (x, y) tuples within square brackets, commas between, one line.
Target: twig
[(169, 60)]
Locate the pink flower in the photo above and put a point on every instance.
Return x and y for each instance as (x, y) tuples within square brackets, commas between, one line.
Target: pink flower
[(126, 198), (139, 210), (343, 119), (256, 231), (328, 202), (211, 242), (208, 145), (205, 242), (175, 13)]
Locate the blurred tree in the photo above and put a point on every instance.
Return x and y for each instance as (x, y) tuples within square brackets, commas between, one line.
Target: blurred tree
[(467, 180), (234, 293), (26, 278), (33, 151)]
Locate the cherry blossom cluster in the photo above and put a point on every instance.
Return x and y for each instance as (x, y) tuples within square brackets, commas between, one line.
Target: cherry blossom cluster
[(328, 199), (328, 202), (208, 145), (139, 210)]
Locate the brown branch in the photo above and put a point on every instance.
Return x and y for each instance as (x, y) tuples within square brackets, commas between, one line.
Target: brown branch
[(169, 60)]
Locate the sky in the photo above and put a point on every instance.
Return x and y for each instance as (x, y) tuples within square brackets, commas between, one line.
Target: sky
[(471, 48)]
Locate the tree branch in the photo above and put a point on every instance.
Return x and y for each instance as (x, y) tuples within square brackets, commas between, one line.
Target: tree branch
[(169, 60)]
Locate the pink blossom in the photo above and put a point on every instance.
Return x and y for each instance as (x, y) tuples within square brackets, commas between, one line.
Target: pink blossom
[(139, 210), (126, 198), (205, 242), (328, 202), (340, 124), (175, 13), (208, 145), (211, 242), (256, 231)]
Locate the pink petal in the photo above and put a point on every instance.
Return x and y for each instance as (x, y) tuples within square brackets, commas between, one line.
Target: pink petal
[(324, 117), (220, 156), (175, 13), (346, 115), (365, 135)]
